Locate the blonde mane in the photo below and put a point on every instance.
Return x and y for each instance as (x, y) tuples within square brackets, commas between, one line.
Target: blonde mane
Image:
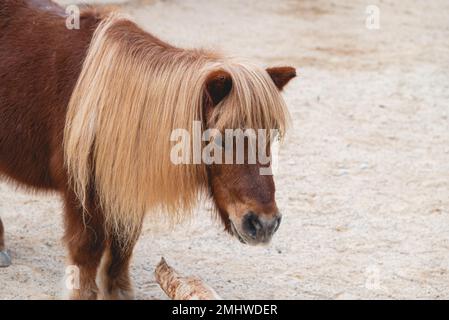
[(132, 92)]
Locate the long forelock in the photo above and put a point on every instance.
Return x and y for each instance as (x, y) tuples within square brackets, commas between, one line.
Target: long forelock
[(254, 102)]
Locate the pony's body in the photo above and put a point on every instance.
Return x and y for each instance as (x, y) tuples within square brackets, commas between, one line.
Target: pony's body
[(47, 61), (78, 110)]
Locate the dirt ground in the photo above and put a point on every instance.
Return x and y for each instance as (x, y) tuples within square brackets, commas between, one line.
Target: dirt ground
[(364, 173)]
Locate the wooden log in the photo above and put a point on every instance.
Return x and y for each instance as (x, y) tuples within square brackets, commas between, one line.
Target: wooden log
[(178, 287)]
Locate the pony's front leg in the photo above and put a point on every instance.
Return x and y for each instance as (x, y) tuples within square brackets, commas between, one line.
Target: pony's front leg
[(85, 239), (5, 260), (114, 279)]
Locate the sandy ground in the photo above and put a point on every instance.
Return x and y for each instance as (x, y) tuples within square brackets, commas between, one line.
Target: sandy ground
[(364, 173)]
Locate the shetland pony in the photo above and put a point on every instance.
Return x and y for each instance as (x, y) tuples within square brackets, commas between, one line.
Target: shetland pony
[(88, 113)]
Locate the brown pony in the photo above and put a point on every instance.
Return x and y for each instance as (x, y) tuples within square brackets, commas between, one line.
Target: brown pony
[(89, 112)]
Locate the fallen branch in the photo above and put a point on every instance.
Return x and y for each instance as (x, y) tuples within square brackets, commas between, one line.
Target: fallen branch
[(178, 287)]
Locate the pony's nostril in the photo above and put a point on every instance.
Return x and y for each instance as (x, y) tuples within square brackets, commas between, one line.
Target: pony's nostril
[(256, 223), (277, 224), (251, 224), (260, 228)]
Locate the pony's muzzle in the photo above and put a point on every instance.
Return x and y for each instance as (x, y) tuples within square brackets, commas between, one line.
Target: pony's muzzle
[(260, 229)]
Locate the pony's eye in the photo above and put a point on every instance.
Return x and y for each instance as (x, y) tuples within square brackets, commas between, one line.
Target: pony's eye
[(223, 142), (219, 141), (275, 136)]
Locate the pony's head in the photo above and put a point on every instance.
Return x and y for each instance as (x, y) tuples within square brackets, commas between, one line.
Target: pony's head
[(133, 92), (245, 97)]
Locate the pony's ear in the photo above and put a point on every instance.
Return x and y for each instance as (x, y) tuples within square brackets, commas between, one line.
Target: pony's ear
[(218, 86), (281, 75)]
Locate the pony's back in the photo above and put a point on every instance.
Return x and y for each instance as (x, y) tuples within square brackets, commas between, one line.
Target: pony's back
[(7, 10), (41, 60), (10, 9)]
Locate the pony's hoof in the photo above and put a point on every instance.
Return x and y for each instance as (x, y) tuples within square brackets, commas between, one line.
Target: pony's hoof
[(5, 259), (118, 294)]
